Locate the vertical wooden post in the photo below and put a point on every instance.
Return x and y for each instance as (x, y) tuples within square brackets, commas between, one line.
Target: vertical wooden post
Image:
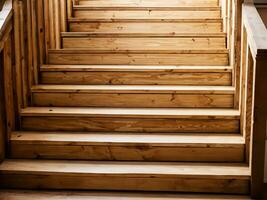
[(236, 46), (2, 112), (8, 87), (259, 126), (69, 8)]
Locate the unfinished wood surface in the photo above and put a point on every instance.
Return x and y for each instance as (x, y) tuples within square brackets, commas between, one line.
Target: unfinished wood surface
[(135, 75), (133, 96), (148, 3), (159, 43), (66, 195), (2, 114), (150, 13), (125, 146), (139, 58), (171, 27), (224, 178), (130, 120)]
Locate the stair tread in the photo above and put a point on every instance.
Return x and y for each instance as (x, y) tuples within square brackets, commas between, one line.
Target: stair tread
[(133, 169), (134, 68), (164, 35), (200, 20), (133, 112), (147, 7), (134, 89), (86, 51), (104, 195), (104, 138), (155, 3)]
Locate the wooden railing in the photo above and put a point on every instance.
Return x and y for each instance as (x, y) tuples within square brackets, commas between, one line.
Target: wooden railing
[(7, 100), (253, 93), (36, 27)]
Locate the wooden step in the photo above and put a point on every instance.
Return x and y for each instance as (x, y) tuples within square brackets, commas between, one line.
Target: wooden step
[(163, 13), (179, 57), (130, 96), (130, 119), (170, 26), (104, 195), (135, 176), (125, 146), (136, 75), (148, 3), (133, 43)]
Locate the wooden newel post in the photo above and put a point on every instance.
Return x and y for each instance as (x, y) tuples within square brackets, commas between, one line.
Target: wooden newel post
[(259, 125)]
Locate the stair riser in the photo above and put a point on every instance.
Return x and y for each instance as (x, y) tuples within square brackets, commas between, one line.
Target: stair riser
[(124, 124), (137, 78), (146, 14), (146, 27), (124, 182), (133, 100), (221, 59), (114, 44), (148, 3), (144, 152)]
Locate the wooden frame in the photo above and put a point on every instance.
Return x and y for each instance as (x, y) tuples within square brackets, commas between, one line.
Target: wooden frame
[(7, 99), (254, 93)]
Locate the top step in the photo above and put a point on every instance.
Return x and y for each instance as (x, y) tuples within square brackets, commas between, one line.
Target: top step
[(149, 3)]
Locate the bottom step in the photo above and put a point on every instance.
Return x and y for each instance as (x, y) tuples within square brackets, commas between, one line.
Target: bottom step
[(132, 176), (65, 195)]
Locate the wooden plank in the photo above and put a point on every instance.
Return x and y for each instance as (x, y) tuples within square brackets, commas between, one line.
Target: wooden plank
[(49, 195), (114, 44), (2, 113), (139, 58), (183, 13), (132, 96), (8, 87), (147, 3), (172, 27), (199, 177), (130, 120), (135, 75), (123, 146)]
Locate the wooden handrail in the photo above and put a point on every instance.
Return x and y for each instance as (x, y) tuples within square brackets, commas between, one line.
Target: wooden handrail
[(253, 93), (256, 29), (7, 105)]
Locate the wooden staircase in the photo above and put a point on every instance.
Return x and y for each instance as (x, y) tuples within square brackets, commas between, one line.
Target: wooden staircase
[(140, 98)]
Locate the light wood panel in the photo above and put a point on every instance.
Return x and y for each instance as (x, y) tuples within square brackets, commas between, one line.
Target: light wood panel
[(224, 178), (150, 13), (132, 96), (135, 75), (65, 195), (147, 3), (172, 27), (131, 43), (123, 146), (138, 58), (130, 120)]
